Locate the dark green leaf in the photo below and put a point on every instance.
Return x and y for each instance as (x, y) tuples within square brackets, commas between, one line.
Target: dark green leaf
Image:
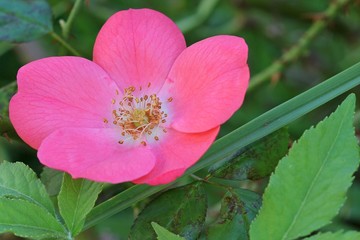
[(18, 181), (76, 198), (181, 210), (29, 220), (351, 235), (22, 21), (238, 209), (256, 161), (309, 185), (164, 234)]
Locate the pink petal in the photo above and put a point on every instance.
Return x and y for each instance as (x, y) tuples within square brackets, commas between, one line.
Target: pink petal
[(176, 153), (95, 154), (207, 83), (137, 47), (60, 92)]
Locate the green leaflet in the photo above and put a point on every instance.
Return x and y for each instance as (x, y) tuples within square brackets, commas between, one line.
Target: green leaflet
[(164, 234), (238, 209), (181, 210), (309, 185), (18, 181), (22, 21), (336, 236), (76, 198), (256, 161), (26, 219)]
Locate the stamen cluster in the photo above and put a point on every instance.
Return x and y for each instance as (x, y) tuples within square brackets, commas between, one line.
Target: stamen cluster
[(139, 116)]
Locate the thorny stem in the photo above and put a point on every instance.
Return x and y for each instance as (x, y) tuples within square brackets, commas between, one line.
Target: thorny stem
[(64, 43), (295, 51)]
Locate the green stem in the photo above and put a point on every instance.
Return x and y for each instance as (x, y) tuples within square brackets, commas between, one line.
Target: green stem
[(67, 25), (64, 44), (299, 47), (203, 12)]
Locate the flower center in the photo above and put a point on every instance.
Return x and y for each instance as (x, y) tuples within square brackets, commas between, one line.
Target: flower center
[(140, 118)]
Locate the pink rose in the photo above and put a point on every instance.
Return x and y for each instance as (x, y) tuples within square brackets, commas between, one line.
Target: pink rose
[(144, 110)]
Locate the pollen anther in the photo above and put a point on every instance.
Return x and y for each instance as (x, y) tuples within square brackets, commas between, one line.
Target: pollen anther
[(139, 116)]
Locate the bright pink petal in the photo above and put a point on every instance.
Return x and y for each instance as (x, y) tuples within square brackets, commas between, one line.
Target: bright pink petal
[(60, 92), (95, 154), (137, 47), (207, 83), (176, 153)]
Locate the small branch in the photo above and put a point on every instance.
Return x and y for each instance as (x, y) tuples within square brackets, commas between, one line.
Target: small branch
[(299, 47), (205, 8), (64, 44), (66, 26)]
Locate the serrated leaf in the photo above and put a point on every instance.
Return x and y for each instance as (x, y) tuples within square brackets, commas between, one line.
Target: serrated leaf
[(52, 180), (256, 161), (76, 199), (238, 209), (22, 21), (29, 220), (309, 185), (351, 235), (181, 210), (18, 181), (164, 234)]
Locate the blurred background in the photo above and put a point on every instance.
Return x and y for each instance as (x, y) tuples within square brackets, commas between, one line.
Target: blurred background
[(270, 28)]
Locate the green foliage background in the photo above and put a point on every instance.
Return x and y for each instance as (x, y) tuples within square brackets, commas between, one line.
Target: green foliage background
[(270, 28)]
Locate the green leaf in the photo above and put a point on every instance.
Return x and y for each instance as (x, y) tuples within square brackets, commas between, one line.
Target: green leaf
[(335, 236), (256, 161), (181, 210), (164, 234), (29, 220), (252, 131), (52, 180), (18, 181), (238, 209), (309, 185), (5, 47), (76, 198), (6, 92), (22, 21)]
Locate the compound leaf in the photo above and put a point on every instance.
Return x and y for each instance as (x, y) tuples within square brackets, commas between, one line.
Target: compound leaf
[(309, 185), (18, 181), (26, 219), (76, 199)]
